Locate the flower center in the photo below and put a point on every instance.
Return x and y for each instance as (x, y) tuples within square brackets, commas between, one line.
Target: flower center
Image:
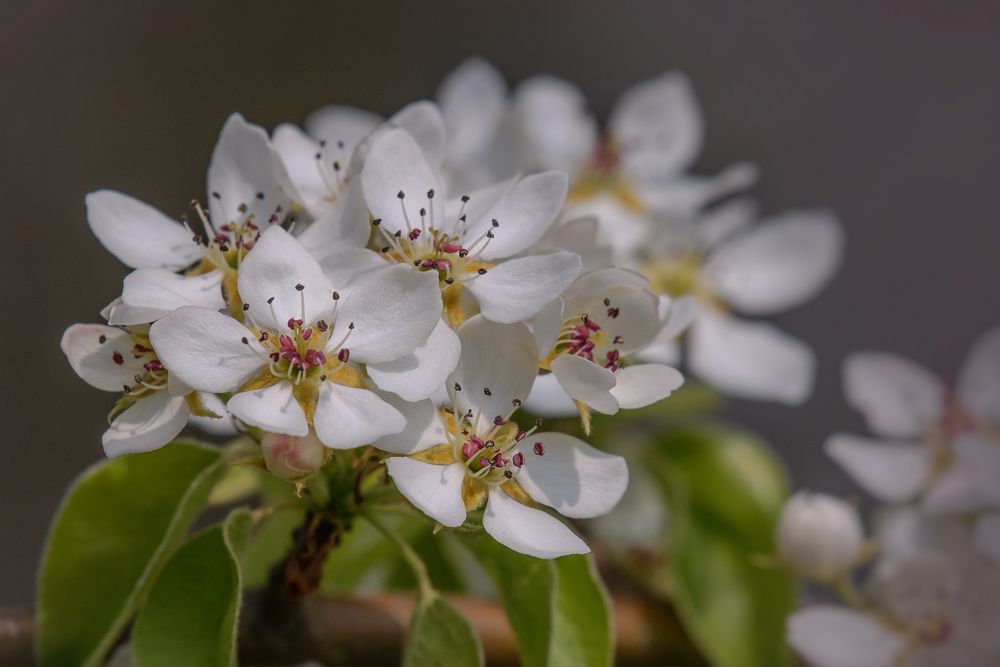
[(582, 336)]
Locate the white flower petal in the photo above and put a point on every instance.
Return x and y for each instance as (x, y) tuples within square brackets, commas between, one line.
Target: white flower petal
[(344, 267), (750, 359), (273, 409), (545, 326), (572, 477), (424, 123), (138, 234), (581, 235), (626, 314), (981, 457), (473, 98), (394, 311), (498, 357), (619, 227), (435, 490), (273, 269), (527, 530), (723, 221), (166, 291), (423, 427), (677, 315), (898, 398), (343, 225), (986, 536), (223, 426), (777, 264), (524, 213), (548, 399), (685, 196), (419, 374), (645, 384), (298, 152), (592, 286), (552, 120), (348, 417), (205, 349), (246, 170), (978, 386), (395, 164), (658, 127), (118, 313), (890, 471), (518, 289), (150, 423), (586, 382), (92, 350), (829, 636), (953, 492), (341, 125)]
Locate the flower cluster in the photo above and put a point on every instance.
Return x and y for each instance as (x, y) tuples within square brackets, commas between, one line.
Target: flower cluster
[(408, 283), (930, 595)]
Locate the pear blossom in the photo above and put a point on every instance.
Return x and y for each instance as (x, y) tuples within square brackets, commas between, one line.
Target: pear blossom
[(637, 173), (729, 264), (939, 444), (195, 262), (588, 339), (293, 363), (819, 536), (930, 601), (155, 406), (472, 452), (293, 457)]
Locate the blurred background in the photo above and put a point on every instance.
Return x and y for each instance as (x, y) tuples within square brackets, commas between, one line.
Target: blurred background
[(885, 112)]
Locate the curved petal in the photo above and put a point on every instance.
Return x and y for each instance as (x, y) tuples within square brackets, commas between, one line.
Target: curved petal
[(552, 121), (523, 214), (497, 357), (118, 313), (518, 289), (222, 426), (394, 310), (898, 398), (422, 372), (548, 399), (139, 235), (301, 154), (981, 457), (269, 278), (716, 226), (621, 228), (890, 471), (344, 267), (677, 315), (750, 359), (205, 349), (424, 123), (423, 427), (395, 164), (273, 409), (527, 530), (591, 286), (348, 417), (986, 536), (829, 636), (435, 490), (341, 127), (574, 478), (580, 235), (167, 291), (978, 386), (657, 126), (101, 355), (586, 382), (778, 264), (645, 384), (628, 316), (953, 492), (149, 424), (246, 171), (686, 195), (343, 225), (545, 326), (473, 98)]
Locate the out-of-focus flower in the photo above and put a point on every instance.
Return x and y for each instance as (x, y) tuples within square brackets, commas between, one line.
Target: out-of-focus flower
[(155, 405), (249, 190), (292, 457), (588, 339), (930, 441), (485, 457), (819, 536), (729, 264), (294, 363)]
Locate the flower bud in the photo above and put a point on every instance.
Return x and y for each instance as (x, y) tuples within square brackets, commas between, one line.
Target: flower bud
[(819, 536), (291, 456)]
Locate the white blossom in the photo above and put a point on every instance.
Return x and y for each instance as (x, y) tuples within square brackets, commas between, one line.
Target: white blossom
[(819, 536)]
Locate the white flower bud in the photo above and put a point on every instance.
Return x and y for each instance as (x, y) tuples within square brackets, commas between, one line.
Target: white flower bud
[(819, 536), (292, 457)]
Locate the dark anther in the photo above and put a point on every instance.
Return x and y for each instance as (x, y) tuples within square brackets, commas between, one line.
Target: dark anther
[(260, 195), (299, 287), (102, 339), (430, 194), (336, 295), (400, 194), (270, 300), (486, 390), (465, 199), (481, 272)]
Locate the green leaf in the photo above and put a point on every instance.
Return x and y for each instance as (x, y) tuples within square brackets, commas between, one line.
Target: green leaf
[(558, 609), (190, 617), (269, 544), (112, 533), (439, 636), (726, 489), (582, 628)]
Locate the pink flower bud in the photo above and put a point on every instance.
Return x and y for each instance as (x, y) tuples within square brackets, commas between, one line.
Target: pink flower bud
[(290, 456)]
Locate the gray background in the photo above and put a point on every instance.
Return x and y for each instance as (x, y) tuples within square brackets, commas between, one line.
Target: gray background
[(886, 112)]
